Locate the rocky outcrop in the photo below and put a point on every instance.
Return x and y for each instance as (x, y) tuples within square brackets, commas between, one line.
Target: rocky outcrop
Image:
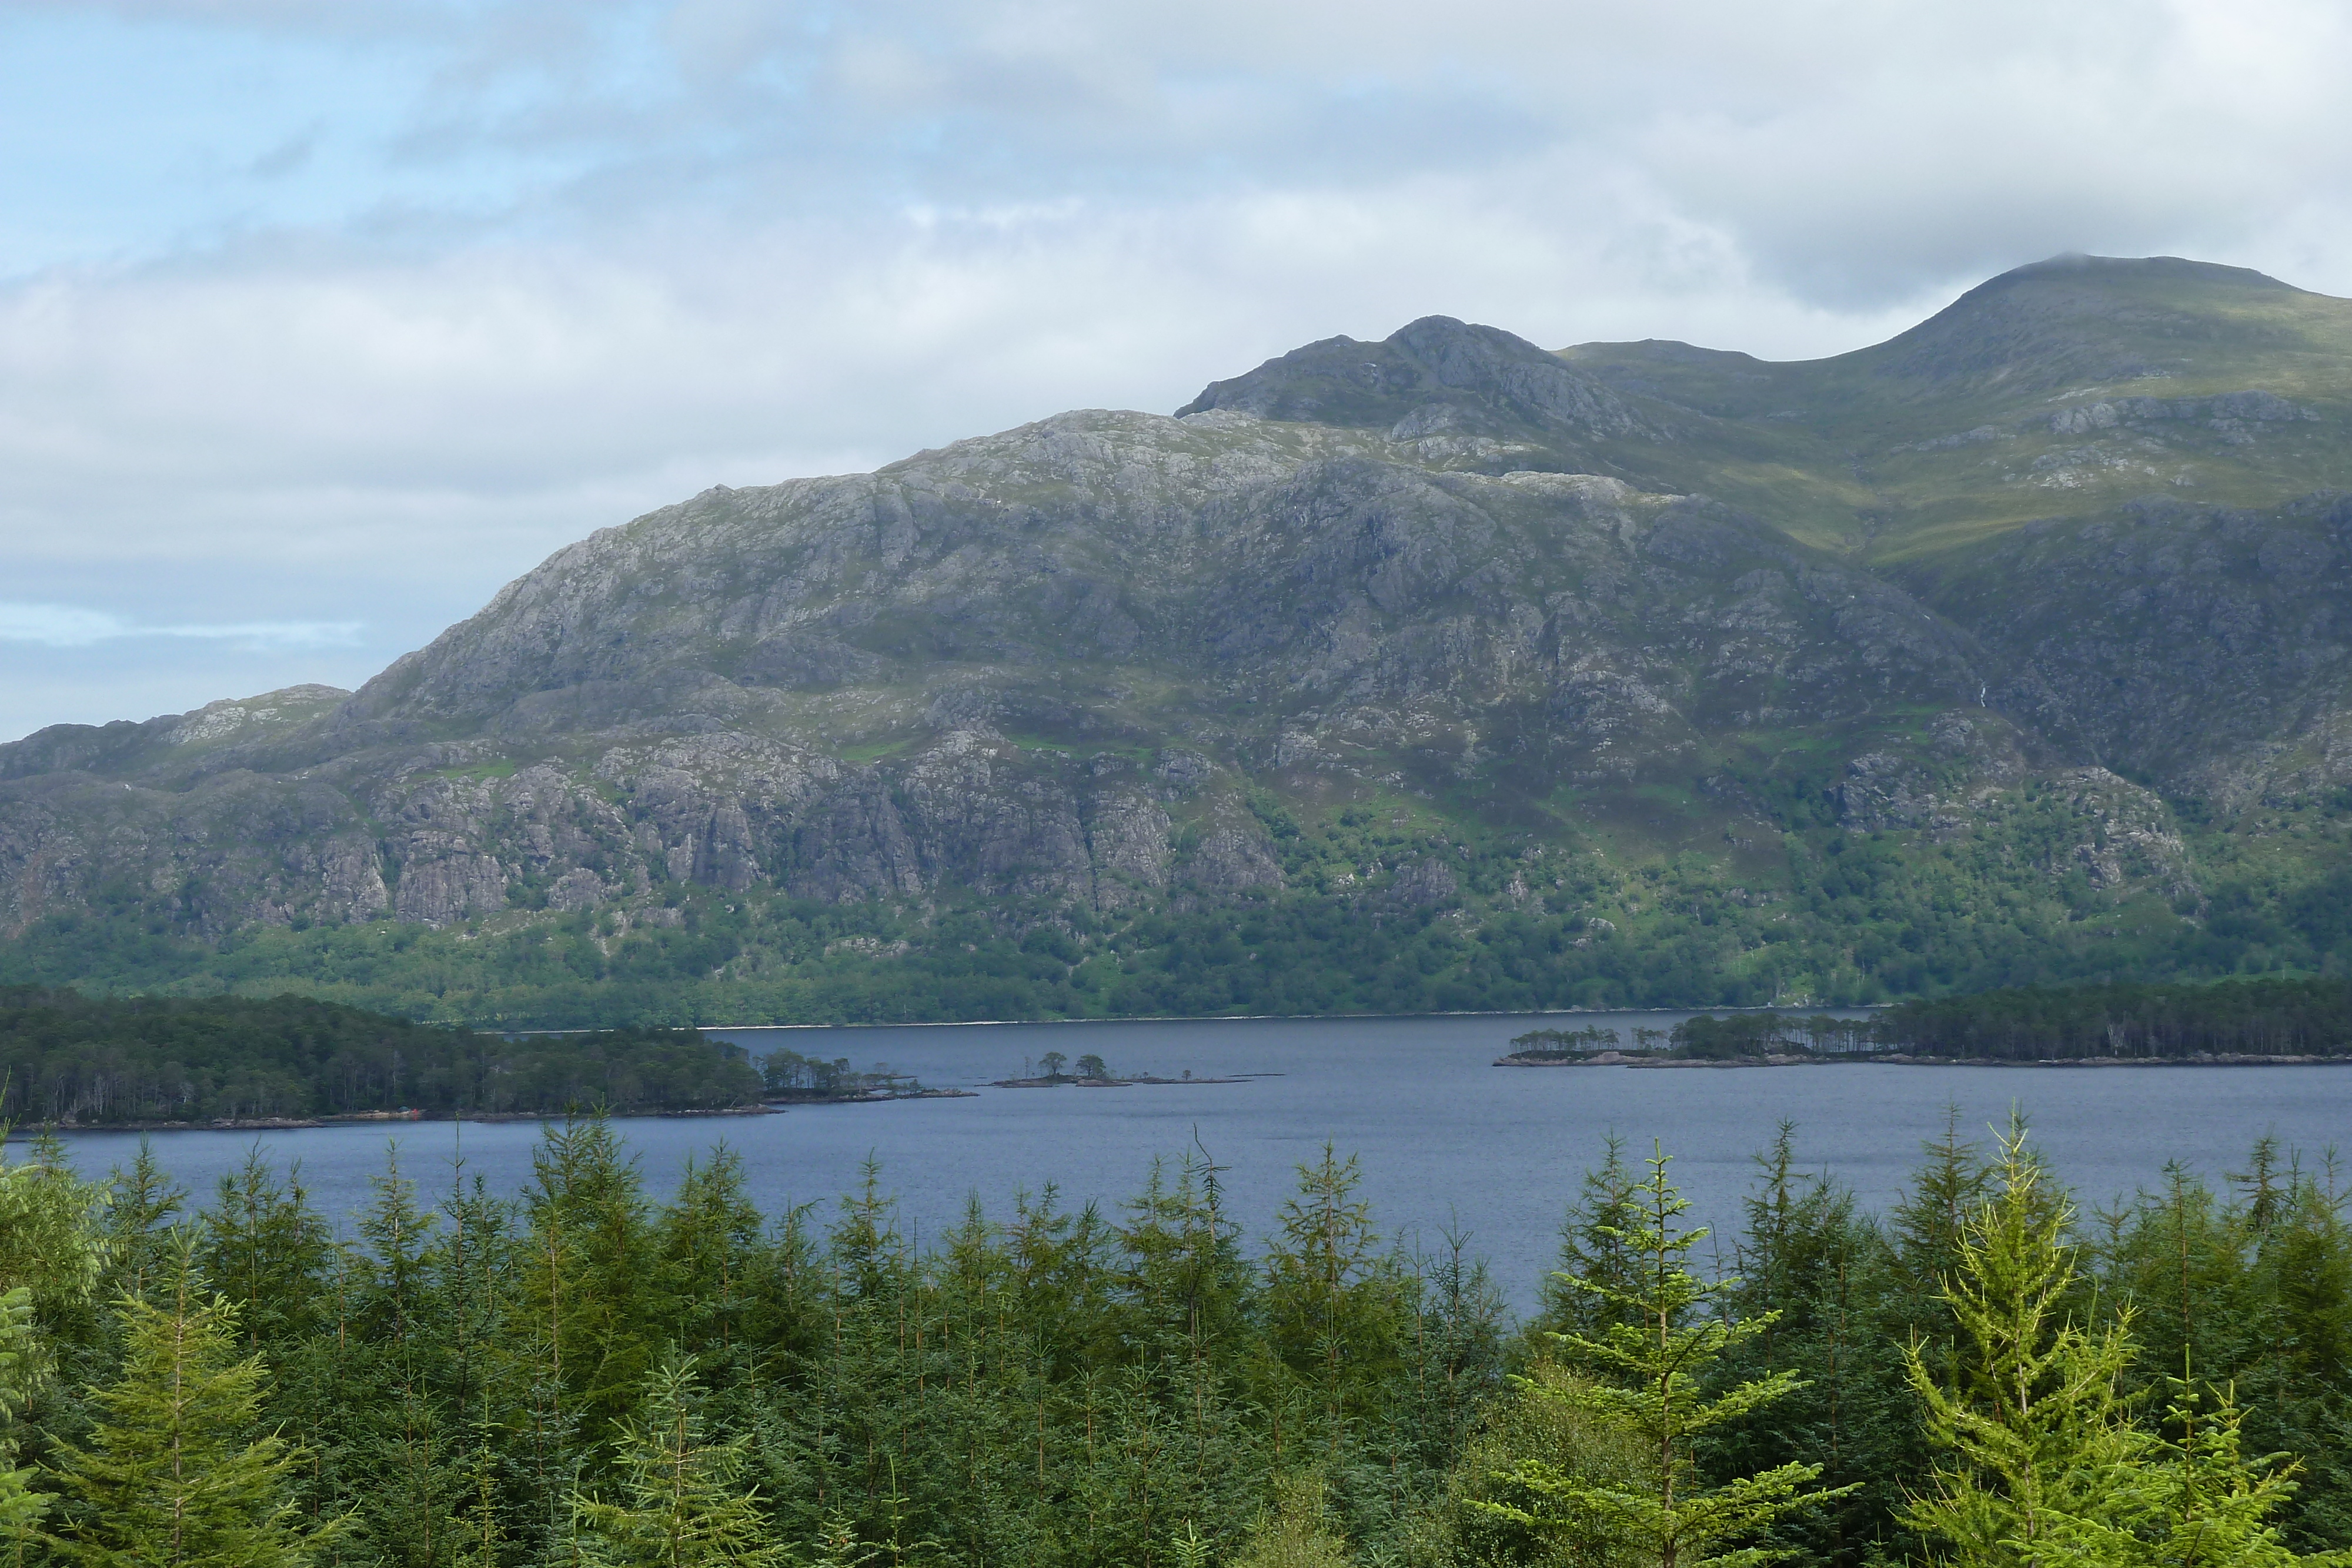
[(1084, 661)]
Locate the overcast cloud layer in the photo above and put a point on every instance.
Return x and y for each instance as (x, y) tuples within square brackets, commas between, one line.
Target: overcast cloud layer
[(321, 321)]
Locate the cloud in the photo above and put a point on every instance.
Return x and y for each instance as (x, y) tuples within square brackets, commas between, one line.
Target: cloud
[(430, 288), (68, 626)]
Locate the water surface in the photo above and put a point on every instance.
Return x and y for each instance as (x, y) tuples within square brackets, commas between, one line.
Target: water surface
[(1446, 1140)]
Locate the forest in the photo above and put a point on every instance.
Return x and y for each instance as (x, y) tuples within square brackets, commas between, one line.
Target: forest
[(68, 1058), (586, 1374), (1843, 919), (2259, 1017)]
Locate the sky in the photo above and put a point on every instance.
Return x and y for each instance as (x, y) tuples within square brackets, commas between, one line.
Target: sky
[(321, 319)]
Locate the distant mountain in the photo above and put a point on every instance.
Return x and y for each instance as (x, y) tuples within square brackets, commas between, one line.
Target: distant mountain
[(1440, 671)]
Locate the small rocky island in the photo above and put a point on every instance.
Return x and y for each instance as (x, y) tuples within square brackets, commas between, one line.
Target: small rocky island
[(791, 1079), (1092, 1073)]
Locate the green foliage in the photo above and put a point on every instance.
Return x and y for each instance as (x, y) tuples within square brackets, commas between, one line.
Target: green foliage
[(678, 1500), (2250, 1016), (2045, 1459), (173, 1475), (2035, 1420), (65, 1057), (1652, 1362), (1295, 1531), (20, 1506), (585, 1374)]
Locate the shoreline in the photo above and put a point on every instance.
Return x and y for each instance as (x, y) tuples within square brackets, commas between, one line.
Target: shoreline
[(1898, 1059), (1243, 1018), (21, 1131)]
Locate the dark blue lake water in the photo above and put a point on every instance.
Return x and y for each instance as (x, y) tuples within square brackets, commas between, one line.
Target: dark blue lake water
[(1445, 1138)]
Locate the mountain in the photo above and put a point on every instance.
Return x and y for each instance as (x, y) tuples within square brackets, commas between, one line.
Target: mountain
[(1443, 670)]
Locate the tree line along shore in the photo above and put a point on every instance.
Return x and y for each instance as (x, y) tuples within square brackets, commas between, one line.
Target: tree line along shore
[(71, 1059), (2264, 1020)]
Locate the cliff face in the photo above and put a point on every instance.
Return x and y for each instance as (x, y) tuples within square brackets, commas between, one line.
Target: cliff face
[(2072, 532)]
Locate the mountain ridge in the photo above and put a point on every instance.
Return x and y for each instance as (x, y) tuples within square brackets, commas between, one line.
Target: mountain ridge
[(1445, 632)]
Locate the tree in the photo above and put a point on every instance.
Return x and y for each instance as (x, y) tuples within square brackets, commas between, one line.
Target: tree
[(48, 1233), (1337, 1304), (1052, 1061), (2029, 1413), (1593, 1252), (1656, 1354), (2044, 1463), (1296, 1531), (20, 1506), (1094, 1067), (144, 1203), (2204, 1504), (171, 1476), (680, 1500), (263, 1244)]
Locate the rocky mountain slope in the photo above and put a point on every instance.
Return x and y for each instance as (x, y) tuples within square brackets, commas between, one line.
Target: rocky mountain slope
[(1625, 644)]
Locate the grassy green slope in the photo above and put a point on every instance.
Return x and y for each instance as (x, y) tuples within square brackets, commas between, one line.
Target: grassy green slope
[(1942, 437)]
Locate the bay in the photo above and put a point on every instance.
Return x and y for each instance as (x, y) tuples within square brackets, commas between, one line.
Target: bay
[(1448, 1142)]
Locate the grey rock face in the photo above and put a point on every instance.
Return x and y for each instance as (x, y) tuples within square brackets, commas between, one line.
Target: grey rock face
[(1054, 663)]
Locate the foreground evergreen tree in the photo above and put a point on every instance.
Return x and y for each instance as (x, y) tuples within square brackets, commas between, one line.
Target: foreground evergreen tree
[(20, 1506), (678, 1500), (173, 1475), (2029, 1411), (1655, 1356), (2044, 1463)]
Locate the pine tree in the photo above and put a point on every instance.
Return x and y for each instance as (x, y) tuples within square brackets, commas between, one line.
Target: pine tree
[(172, 1477), (2201, 1504), (144, 1203), (2029, 1412), (680, 1501), (1337, 1304), (1656, 1352), (20, 1506), (1592, 1250), (2044, 1463)]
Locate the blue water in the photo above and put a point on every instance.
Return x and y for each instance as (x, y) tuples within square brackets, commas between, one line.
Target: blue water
[(1447, 1140)]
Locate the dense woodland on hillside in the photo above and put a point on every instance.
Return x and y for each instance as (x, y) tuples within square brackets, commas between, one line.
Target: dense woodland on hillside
[(1856, 918), (586, 1375), (69, 1058)]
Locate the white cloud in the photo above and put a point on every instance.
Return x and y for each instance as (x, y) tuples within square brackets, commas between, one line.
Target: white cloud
[(69, 626), (468, 281)]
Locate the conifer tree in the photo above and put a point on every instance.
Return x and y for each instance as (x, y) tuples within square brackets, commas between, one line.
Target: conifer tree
[(2044, 1463), (1337, 1304), (2029, 1412), (266, 1248), (1592, 1250), (1655, 1354), (174, 1476), (20, 1506), (678, 1500), (144, 1203)]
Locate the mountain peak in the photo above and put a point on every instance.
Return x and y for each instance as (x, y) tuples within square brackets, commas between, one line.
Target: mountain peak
[(1432, 373), (2074, 320), (2074, 266)]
